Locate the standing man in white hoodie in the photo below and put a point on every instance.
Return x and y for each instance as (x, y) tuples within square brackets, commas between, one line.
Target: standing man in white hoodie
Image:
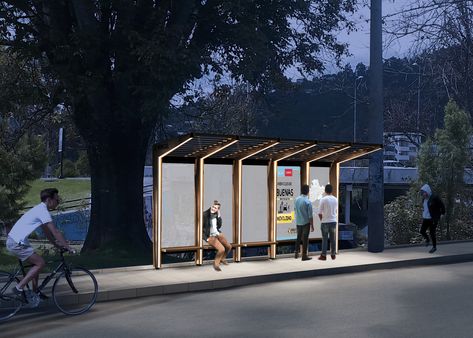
[(433, 209)]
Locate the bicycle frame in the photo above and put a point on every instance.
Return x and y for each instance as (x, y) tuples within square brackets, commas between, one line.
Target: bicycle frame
[(20, 271), (62, 266), (63, 271)]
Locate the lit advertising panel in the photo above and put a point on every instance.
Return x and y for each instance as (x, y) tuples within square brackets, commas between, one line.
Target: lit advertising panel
[(288, 187)]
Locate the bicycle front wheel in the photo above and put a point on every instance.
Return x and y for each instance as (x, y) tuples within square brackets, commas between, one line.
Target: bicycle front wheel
[(9, 304), (75, 291)]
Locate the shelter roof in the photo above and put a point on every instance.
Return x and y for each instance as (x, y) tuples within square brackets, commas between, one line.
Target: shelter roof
[(197, 145)]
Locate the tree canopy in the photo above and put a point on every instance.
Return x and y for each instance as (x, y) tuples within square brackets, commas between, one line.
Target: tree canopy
[(120, 62)]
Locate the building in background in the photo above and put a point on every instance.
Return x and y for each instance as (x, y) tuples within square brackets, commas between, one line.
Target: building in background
[(401, 148)]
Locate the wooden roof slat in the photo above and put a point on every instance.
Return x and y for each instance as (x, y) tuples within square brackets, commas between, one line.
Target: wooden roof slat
[(234, 147)]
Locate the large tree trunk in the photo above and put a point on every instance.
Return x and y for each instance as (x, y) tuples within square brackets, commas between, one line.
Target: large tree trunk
[(117, 197), (117, 151)]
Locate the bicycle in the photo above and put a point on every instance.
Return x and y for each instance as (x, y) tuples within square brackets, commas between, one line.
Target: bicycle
[(74, 291)]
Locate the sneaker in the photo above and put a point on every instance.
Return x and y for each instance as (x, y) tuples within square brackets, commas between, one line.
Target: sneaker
[(19, 294), (333, 256), (217, 268), (433, 250), (42, 296), (307, 258), (322, 258)]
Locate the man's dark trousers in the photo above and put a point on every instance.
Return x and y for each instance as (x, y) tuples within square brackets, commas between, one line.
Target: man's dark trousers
[(430, 224), (302, 233)]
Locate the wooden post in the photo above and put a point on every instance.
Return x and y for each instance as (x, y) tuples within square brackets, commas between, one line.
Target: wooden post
[(237, 213), (199, 198), (334, 181)]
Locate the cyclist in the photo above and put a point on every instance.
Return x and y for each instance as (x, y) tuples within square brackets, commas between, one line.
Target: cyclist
[(17, 242)]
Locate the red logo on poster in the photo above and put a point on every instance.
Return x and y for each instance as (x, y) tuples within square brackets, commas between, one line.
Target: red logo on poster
[(287, 172)]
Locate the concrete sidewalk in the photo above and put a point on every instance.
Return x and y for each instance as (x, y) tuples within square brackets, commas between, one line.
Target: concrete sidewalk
[(132, 282)]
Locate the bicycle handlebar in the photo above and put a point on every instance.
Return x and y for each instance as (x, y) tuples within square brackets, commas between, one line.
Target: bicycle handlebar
[(62, 250)]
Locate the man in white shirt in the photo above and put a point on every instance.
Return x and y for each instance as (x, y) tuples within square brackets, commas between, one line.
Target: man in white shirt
[(17, 241), (328, 217)]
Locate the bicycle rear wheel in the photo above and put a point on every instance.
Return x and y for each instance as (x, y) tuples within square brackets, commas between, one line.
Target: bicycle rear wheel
[(9, 304), (75, 291)]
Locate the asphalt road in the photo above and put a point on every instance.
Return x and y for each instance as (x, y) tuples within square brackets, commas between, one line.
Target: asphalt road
[(434, 301)]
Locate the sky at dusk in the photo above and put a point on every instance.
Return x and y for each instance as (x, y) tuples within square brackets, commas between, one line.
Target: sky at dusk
[(359, 41)]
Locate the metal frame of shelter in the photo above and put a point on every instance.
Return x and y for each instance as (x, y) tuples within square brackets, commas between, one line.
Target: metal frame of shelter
[(238, 149)]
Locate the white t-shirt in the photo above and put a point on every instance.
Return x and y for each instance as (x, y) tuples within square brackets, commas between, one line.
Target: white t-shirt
[(328, 208), (213, 227), (27, 223)]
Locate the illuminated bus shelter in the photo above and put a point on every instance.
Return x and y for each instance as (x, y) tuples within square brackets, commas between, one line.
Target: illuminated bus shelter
[(256, 180)]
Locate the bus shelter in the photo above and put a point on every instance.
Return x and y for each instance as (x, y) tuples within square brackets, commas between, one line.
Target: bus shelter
[(256, 179)]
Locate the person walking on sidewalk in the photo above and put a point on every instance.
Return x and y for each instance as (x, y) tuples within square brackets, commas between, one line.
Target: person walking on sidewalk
[(433, 209), (328, 217), (212, 222), (304, 222)]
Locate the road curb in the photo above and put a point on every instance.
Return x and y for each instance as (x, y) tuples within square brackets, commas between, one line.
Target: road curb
[(130, 293)]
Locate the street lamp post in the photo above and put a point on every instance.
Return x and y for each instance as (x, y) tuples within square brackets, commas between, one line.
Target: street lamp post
[(354, 107)]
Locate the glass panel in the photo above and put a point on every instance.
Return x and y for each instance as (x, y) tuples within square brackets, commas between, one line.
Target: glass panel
[(319, 177), (254, 203), (218, 186), (178, 205)]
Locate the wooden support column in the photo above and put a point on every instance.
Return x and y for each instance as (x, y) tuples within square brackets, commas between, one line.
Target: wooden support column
[(158, 155), (272, 214), (305, 173), (157, 207), (199, 201), (237, 213), (334, 181)]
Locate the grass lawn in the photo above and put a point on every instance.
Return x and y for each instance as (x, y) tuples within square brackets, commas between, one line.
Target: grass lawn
[(103, 259), (69, 189)]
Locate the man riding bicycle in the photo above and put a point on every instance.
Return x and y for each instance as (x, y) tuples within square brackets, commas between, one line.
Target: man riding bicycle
[(17, 242)]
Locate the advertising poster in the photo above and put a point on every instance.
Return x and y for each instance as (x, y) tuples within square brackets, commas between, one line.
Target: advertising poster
[(288, 187)]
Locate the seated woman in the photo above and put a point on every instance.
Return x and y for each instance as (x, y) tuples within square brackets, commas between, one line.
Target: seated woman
[(212, 222)]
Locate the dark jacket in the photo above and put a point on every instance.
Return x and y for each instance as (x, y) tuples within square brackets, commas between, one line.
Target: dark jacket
[(206, 224), (434, 203), (436, 207)]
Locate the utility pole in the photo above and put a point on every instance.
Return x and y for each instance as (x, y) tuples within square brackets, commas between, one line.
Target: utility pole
[(376, 127)]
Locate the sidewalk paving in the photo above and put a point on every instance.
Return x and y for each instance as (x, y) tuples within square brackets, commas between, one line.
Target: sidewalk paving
[(133, 282)]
